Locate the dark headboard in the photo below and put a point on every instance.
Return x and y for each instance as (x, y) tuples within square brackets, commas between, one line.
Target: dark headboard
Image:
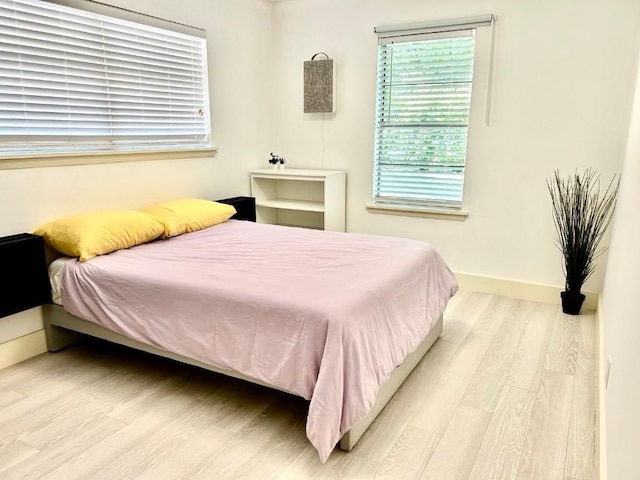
[(25, 282)]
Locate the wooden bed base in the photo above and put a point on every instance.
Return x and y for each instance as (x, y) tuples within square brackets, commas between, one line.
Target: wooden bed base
[(63, 329)]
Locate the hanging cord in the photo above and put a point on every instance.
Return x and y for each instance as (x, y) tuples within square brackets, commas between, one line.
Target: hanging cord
[(487, 117), (322, 142)]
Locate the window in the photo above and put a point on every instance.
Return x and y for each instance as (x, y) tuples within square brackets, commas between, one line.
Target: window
[(78, 81), (422, 118)]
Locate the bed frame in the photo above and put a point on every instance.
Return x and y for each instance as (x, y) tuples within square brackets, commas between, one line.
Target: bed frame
[(63, 329)]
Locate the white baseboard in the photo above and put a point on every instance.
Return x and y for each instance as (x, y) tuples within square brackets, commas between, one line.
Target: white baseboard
[(22, 348), (601, 444), (523, 290)]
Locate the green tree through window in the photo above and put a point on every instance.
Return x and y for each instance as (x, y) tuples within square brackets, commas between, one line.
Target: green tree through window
[(422, 118)]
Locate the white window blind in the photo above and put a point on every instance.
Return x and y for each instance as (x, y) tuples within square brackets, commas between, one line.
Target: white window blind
[(422, 116), (73, 80)]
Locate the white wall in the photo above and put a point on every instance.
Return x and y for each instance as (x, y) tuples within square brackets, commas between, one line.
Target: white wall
[(620, 315), (239, 59), (562, 80)]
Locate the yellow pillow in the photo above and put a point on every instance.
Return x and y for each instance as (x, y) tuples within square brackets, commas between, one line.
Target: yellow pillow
[(89, 234), (189, 215)]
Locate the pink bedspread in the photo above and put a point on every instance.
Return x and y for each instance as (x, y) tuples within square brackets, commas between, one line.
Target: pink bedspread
[(324, 315)]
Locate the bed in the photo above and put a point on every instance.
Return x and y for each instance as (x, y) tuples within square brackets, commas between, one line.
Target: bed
[(338, 319)]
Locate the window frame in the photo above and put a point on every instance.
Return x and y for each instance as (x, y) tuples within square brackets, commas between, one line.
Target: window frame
[(429, 204), (438, 26)]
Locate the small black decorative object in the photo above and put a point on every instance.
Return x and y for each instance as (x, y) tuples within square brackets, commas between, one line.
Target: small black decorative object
[(572, 302), (581, 216), (276, 159)]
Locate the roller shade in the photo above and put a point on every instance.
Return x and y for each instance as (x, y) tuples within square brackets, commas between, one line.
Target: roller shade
[(72, 80), (422, 115)]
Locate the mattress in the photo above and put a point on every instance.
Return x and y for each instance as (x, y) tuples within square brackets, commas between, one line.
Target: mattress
[(56, 268), (324, 315)]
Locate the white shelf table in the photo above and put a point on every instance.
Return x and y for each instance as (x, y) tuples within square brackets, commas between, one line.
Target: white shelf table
[(300, 197)]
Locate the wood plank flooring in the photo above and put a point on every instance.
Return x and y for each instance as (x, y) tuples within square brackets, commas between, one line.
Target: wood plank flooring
[(507, 392)]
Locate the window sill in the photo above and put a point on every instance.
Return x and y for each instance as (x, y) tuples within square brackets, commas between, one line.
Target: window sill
[(88, 158), (407, 211)]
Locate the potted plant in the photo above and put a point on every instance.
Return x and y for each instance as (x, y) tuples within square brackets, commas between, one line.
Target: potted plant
[(276, 161), (581, 216)]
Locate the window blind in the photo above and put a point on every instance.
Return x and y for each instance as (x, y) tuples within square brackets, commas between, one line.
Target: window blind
[(73, 80), (422, 116)]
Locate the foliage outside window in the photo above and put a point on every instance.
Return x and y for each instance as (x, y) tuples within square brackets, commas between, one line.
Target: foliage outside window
[(422, 118), (78, 81)]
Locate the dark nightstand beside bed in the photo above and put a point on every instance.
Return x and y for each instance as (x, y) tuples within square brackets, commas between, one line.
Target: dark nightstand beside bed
[(26, 281), (245, 206)]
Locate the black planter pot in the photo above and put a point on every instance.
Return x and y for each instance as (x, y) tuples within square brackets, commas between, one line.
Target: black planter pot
[(572, 302)]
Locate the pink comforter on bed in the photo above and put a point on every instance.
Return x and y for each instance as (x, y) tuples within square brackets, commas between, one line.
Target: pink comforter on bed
[(324, 315)]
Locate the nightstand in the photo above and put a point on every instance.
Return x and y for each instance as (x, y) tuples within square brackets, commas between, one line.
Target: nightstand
[(245, 207), (25, 272)]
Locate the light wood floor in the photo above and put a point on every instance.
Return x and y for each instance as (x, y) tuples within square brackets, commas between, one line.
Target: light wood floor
[(507, 392)]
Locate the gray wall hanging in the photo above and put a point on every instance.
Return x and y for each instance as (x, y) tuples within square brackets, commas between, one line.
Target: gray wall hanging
[(319, 85)]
